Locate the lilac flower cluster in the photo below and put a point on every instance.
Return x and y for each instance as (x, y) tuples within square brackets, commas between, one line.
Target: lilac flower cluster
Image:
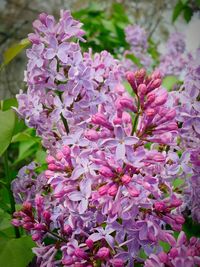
[(174, 60), (183, 253), (107, 194), (188, 115), (136, 37)]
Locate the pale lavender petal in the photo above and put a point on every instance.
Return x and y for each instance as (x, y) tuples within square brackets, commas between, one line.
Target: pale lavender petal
[(131, 140), (77, 172), (75, 196), (82, 207), (95, 237), (120, 151), (85, 187)]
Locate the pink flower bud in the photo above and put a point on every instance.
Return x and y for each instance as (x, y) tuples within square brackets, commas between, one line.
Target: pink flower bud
[(161, 99), (126, 102), (91, 135), (117, 263), (159, 206), (176, 202), (16, 222), (150, 112), (112, 191), (133, 191), (39, 226), (52, 167), (50, 159), (80, 253), (159, 158), (131, 79), (59, 155), (119, 169), (103, 190), (28, 226), (163, 257), (117, 121), (103, 253), (171, 126), (140, 75), (89, 243), (101, 120), (142, 90), (36, 237), (49, 174), (67, 261), (107, 172), (173, 253), (27, 206), (156, 75), (155, 84), (193, 240), (125, 179), (46, 215), (150, 99), (119, 89), (67, 229), (179, 219), (66, 151), (171, 114)]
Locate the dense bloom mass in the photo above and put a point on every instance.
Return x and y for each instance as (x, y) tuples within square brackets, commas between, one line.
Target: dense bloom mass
[(108, 193)]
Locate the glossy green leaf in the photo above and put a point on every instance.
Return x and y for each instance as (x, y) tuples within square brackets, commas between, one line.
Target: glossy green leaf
[(16, 252), (179, 7), (14, 50), (187, 13), (7, 122)]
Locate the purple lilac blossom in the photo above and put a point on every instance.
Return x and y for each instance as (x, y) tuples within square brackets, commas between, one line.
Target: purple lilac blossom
[(106, 194)]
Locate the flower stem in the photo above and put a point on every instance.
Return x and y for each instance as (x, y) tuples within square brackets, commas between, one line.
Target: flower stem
[(136, 117), (57, 236), (8, 187), (65, 123)]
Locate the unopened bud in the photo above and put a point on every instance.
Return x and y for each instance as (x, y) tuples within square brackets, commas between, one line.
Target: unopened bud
[(103, 253), (126, 179), (112, 191), (91, 135), (131, 79), (105, 171)]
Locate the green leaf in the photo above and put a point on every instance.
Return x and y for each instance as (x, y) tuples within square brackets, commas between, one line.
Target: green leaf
[(26, 148), (187, 13), (14, 50), (135, 60), (41, 156), (166, 247), (191, 228), (169, 81), (184, 2), (179, 7), (7, 122), (128, 88), (16, 252), (8, 103), (178, 182), (198, 3), (5, 219)]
